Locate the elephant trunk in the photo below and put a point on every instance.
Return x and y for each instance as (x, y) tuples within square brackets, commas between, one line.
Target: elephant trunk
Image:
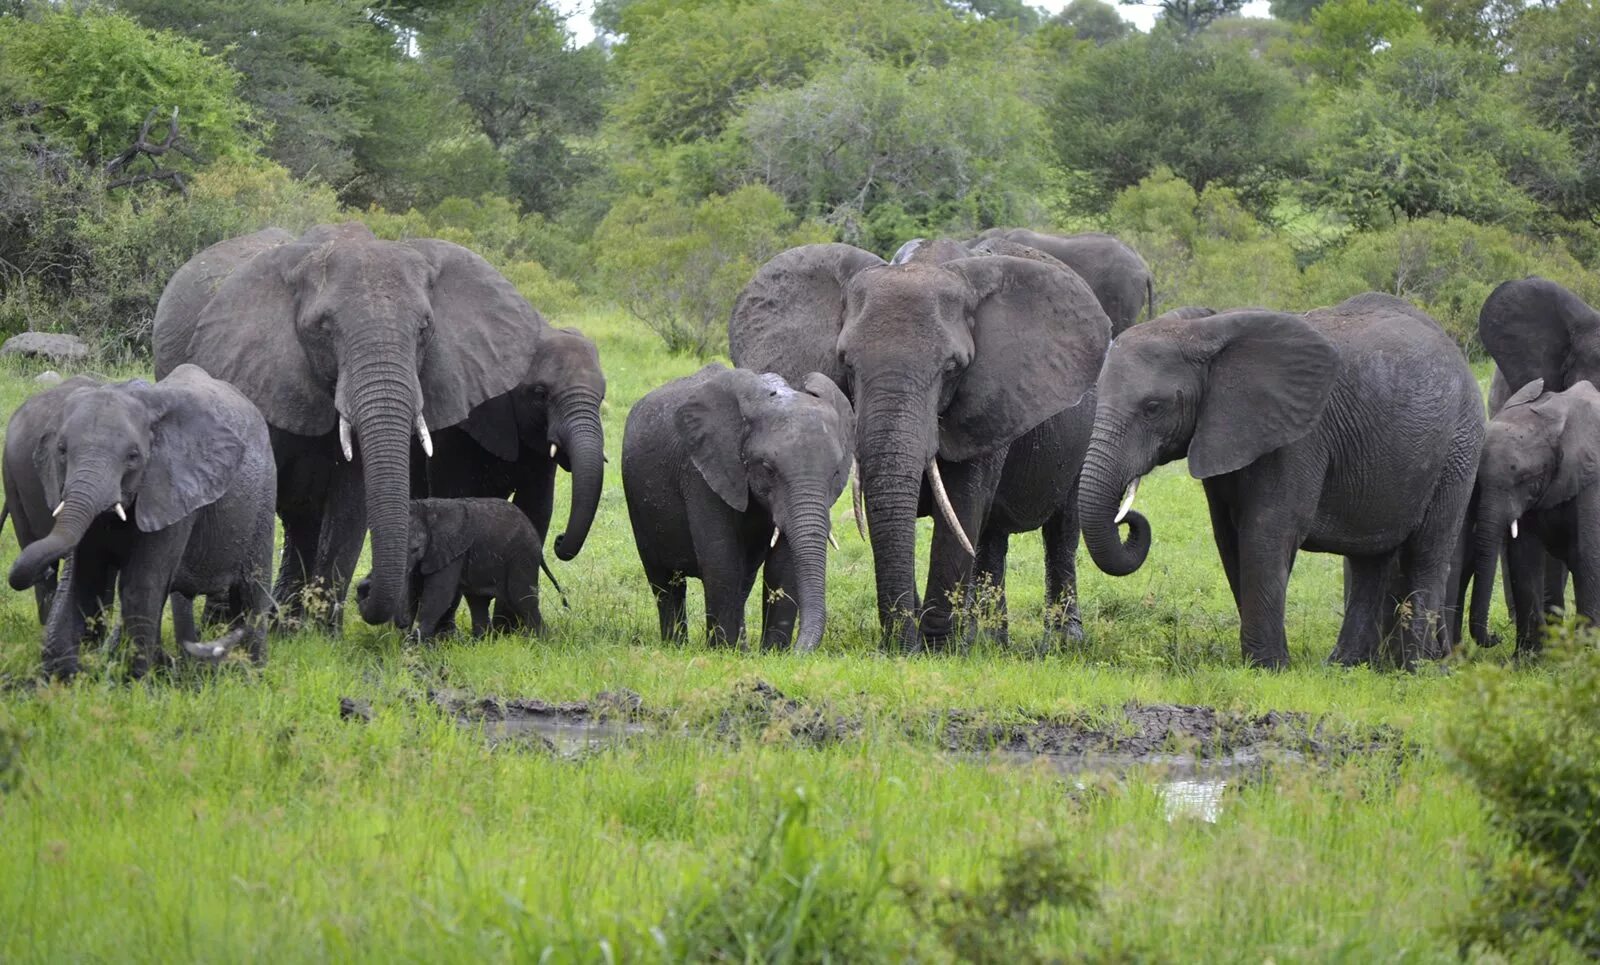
[(1488, 537), (384, 398), (579, 433), (892, 453), (807, 535), (77, 511), (1101, 489)]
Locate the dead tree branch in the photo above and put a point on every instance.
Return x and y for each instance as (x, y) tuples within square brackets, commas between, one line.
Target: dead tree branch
[(151, 151)]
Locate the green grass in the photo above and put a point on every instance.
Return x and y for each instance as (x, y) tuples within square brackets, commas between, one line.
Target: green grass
[(233, 815)]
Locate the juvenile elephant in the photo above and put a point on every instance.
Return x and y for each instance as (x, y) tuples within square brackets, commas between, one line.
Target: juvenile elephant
[(946, 365), (725, 470), (1352, 430), (348, 345), (1539, 483), (1120, 279), (482, 549), (510, 445), (171, 487), (27, 504)]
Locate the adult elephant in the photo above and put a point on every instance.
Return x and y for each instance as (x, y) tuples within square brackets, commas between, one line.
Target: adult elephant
[(510, 445), (337, 330), (945, 365), (1352, 430), (1119, 277)]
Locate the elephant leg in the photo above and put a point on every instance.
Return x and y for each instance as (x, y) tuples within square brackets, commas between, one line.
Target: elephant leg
[(1226, 535), (521, 602), (1555, 585), (44, 593), (971, 487), (535, 496), (144, 585), (478, 607), (670, 592), (183, 625), (301, 533), (1366, 578), (1266, 558), (440, 593), (343, 531), (779, 608), (1062, 616), (1525, 561), (986, 592), (725, 600), (76, 599)]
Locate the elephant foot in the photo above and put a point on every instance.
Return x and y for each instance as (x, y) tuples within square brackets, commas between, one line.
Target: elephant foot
[(1267, 660), (1346, 657)]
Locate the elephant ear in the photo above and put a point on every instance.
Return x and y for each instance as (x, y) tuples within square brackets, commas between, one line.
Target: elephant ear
[(1269, 379), (198, 437), (821, 387), (788, 318), (246, 336), (448, 532), (1526, 394), (47, 466), (1039, 337), (492, 424), (1530, 325), (712, 427), (482, 337)]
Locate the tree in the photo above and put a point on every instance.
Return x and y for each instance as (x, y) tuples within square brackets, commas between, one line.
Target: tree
[(1347, 34), (1094, 21), (1294, 11), (1209, 111), (1190, 16), (1015, 12), (1557, 53)]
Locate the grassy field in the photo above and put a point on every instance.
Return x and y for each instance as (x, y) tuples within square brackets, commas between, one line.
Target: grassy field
[(232, 814)]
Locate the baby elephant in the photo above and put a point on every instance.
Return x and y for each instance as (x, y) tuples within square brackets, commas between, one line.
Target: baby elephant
[(1539, 484), (170, 487), (727, 469), (482, 549)]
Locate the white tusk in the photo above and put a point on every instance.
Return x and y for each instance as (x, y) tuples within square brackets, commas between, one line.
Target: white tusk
[(59, 507), (120, 514), (775, 535), (943, 499), (855, 502), (344, 440), (833, 541), (422, 434), (1127, 502), (552, 450), (1513, 529)]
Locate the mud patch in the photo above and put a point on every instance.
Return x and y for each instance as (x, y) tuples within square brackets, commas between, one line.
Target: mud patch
[(761, 709), (571, 729)]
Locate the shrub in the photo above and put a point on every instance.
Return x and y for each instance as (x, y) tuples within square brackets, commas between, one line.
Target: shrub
[(678, 268), (1531, 745)]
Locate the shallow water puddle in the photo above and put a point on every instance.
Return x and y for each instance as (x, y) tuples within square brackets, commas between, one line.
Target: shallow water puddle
[(566, 736), (1201, 800)]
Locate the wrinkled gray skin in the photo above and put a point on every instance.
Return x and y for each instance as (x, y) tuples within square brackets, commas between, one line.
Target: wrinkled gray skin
[(1537, 329), (1185, 313), (27, 504), (952, 361), (337, 324), (711, 464), (1119, 277), (1540, 469), (189, 463), (503, 448), (1352, 430), (482, 549)]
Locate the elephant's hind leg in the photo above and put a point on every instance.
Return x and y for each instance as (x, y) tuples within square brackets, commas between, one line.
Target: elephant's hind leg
[(986, 592)]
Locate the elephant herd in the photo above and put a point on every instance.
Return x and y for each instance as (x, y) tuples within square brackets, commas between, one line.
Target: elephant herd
[(348, 384)]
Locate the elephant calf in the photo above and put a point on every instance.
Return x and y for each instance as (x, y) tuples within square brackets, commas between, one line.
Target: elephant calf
[(481, 549), (170, 487), (1539, 483), (726, 470)]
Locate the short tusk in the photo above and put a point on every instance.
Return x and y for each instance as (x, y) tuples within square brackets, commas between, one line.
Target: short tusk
[(552, 450), (833, 541), (855, 501), (120, 514), (344, 440), (775, 534), (422, 434), (59, 507), (1127, 501), (943, 499), (1513, 529)]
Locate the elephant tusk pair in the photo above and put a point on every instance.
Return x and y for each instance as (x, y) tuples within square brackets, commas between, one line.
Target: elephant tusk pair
[(943, 499), (347, 434), (855, 501), (776, 532), (1127, 502)]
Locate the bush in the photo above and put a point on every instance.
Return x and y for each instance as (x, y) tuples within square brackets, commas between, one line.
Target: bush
[(1531, 745), (678, 268)]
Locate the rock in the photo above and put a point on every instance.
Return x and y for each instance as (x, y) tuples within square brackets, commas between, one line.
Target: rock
[(351, 709), (46, 345), (48, 377)]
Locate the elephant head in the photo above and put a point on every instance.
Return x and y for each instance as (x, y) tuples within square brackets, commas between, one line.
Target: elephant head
[(378, 338), (754, 437), (951, 360), (556, 408), (135, 455), (1542, 449), (1224, 390), (1536, 329)]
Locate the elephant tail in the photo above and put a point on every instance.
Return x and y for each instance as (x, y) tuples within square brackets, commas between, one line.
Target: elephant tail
[(1149, 297), (543, 565), (5, 514)]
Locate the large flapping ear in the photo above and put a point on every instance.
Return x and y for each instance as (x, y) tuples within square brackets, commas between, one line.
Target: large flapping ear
[(788, 318), (1530, 326), (492, 424), (1270, 377), (821, 387), (198, 437), (482, 336), (1524, 395), (246, 336), (1575, 415), (1039, 338), (713, 427), (448, 531)]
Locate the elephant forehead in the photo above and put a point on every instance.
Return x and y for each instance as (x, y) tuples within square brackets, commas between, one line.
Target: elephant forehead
[(98, 409), (376, 270)]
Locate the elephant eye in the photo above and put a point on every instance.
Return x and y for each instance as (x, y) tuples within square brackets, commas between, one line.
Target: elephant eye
[(1152, 405), (950, 365), (133, 456)]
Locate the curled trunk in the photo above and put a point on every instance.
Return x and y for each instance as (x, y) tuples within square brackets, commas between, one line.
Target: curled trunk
[(584, 442), (1105, 479), (34, 562)]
